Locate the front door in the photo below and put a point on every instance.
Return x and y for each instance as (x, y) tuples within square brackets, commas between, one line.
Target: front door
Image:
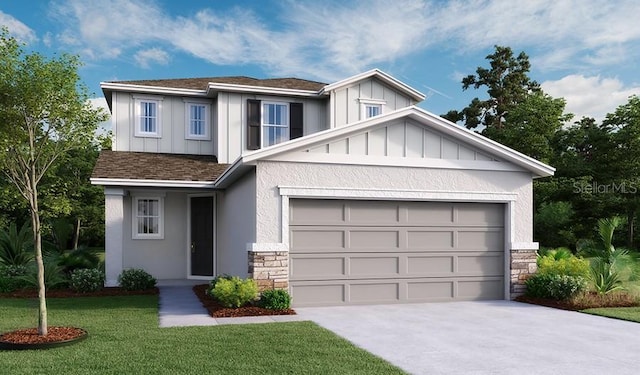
[(201, 246)]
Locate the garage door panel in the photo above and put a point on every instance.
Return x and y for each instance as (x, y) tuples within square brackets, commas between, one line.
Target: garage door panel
[(481, 289), (314, 267), (312, 211), (374, 293), (378, 266), (317, 239), (430, 291), (318, 294), (430, 239), (481, 240), (367, 212), (435, 213), (373, 239), (424, 265), (491, 265), (479, 214)]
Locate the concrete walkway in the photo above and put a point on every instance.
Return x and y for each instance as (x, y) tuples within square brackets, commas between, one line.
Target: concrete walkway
[(179, 307)]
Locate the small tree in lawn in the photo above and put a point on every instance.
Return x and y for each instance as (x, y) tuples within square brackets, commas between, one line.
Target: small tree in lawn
[(44, 113)]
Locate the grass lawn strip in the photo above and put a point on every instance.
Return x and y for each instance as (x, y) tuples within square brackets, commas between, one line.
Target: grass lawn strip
[(124, 338), (625, 313)]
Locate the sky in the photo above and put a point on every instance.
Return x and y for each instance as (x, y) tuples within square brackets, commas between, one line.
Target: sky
[(586, 51)]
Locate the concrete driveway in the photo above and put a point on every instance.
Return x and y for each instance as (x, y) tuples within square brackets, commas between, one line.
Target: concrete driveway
[(494, 337)]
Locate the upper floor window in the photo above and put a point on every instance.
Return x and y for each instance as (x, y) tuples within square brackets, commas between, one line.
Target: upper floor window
[(275, 123), (148, 220), (370, 108), (147, 117), (271, 122), (197, 121)]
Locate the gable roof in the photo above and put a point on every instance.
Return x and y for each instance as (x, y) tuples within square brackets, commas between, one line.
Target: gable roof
[(382, 76), (437, 123), (143, 168), (202, 83)]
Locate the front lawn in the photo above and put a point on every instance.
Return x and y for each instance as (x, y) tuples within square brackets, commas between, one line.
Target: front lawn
[(125, 339), (624, 313)]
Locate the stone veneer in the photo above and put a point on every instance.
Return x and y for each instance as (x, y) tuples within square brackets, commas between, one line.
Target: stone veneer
[(270, 269), (523, 265)]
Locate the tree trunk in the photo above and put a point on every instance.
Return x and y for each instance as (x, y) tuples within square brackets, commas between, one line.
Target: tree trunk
[(631, 220), (76, 234), (43, 326)]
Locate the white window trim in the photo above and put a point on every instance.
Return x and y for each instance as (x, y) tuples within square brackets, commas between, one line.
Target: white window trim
[(138, 99), (364, 102), (263, 125), (134, 218), (187, 120)]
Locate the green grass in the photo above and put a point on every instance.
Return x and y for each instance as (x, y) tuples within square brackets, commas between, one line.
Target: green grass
[(624, 313), (125, 339)]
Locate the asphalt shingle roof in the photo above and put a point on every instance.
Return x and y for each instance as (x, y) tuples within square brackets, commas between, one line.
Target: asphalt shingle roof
[(155, 166), (202, 83)]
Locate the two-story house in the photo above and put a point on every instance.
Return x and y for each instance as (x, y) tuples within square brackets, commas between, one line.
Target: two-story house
[(344, 193)]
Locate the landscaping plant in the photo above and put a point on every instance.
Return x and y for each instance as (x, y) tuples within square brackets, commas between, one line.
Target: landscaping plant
[(554, 286), (136, 279), (235, 292), (16, 246), (86, 280), (609, 266), (275, 299)]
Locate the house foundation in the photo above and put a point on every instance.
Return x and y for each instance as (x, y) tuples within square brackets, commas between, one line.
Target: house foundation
[(270, 269), (523, 265)]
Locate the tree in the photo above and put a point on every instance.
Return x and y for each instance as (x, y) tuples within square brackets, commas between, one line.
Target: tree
[(44, 113), (507, 84)]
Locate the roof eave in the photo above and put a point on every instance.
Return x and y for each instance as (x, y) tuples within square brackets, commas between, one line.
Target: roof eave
[(227, 87), (111, 86), (151, 183), (413, 93)]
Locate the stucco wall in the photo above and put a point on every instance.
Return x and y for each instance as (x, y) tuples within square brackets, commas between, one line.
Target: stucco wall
[(236, 225), (172, 119), (165, 258), (232, 121), (272, 174)]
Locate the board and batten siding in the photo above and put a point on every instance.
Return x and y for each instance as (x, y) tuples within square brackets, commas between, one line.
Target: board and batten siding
[(402, 139), (347, 101), (173, 122), (232, 121)]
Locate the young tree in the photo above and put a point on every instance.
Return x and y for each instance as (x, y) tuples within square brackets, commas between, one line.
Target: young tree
[(44, 113)]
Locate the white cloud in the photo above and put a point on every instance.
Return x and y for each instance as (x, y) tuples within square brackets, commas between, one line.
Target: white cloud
[(590, 96), (153, 55), (17, 28), (332, 39)]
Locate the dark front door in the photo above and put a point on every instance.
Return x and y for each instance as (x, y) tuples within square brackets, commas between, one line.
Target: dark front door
[(201, 236)]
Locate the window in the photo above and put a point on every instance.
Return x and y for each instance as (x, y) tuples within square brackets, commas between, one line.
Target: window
[(371, 110), (148, 217), (147, 117), (197, 121), (269, 123), (275, 123), (370, 107)]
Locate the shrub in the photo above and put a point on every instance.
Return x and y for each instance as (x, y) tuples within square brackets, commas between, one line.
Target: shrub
[(16, 246), (552, 264), (215, 280), (136, 279), (235, 292), (553, 286), (85, 280), (54, 276), (11, 278), (275, 299)]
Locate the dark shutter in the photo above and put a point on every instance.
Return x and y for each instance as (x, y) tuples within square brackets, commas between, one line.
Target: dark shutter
[(295, 120), (253, 124)]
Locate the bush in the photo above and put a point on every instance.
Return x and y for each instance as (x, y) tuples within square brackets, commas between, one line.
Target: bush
[(11, 278), (85, 280), (552, 264), (275, 299), (212, 283), (54, 276), (136, 279), (553, 286), (235, 292)]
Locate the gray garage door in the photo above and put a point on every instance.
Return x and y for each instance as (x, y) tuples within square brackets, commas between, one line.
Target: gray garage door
[(367, 252)]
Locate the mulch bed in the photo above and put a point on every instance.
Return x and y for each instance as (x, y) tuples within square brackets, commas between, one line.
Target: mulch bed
[(66, 293), (30, 335), (216, 310), (587, 301)]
